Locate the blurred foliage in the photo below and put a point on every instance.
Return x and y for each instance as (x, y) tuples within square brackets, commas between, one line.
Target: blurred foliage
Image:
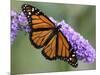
[(27, 59)]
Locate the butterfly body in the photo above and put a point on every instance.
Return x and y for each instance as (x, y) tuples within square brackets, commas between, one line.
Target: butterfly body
[(45, 34)]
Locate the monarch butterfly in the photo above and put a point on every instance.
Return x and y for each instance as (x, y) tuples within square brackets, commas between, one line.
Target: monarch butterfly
[(45, 34)]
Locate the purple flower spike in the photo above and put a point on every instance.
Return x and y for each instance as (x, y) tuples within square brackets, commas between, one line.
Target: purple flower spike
[(18, 22), (23, 22), (14, 26), (83, 49)]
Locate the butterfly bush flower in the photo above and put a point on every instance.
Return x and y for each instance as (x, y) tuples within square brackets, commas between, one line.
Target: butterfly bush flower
[(83, 49), (14, 26), (18, 22)]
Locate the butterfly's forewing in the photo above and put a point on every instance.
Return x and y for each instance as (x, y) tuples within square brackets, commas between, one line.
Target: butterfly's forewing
[(41, 25), (63, 46), (36, 18), (65, 51), (38, 38)]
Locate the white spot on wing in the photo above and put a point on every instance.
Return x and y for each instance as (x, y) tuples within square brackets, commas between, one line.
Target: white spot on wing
[(29, 13), (33, 9), (38, 12), (73, 55), (70, 59), (28, 16), (23, 10), (25, 5)]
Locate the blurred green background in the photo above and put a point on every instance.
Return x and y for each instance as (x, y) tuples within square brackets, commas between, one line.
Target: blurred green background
[(27, 59)]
